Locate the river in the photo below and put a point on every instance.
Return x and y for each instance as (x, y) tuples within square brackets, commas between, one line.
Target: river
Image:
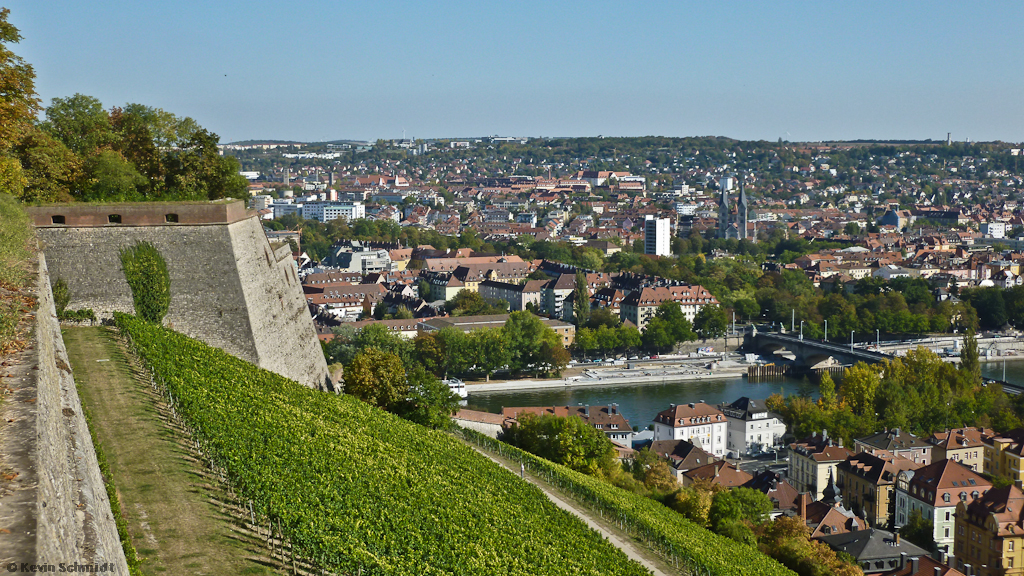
[(639, 403)]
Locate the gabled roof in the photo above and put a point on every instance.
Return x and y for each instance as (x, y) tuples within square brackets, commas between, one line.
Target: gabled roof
[(721, 473), (692, 414), (945, 478), (683, 454), (872, 544), (895, 440)]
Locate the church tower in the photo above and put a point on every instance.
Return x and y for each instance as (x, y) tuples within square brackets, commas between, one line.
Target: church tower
[(741, 213), (723, 214)]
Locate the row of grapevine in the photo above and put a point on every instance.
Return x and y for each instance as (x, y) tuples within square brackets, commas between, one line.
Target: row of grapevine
[(680, 541), (355, 490)]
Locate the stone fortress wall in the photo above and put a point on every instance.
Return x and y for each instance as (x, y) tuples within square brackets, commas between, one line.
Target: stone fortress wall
[(59, 509), (229, 286)]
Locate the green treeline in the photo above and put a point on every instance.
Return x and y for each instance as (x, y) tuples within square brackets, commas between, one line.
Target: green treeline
[(82, 151), (918, 392)]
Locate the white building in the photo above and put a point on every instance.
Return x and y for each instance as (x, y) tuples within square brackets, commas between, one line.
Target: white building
[(328, 211), (934, 491), (686, 208), (994, 229), (752, 428), (726, 183), (657, 232), (703, 425)]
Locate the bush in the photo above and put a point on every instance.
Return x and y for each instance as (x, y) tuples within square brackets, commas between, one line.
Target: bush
[(147, 276), (61, 295)]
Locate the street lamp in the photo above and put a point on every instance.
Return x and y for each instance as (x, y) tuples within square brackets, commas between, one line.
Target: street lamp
[(801, 329), (826, 331), (878, 341), (851, 340)]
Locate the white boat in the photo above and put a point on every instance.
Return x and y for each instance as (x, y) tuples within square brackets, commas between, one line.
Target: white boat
[(457, 387)]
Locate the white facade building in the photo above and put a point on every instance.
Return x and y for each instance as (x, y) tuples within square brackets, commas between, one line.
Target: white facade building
[(328, 211), (934, 491), (701, 424), (752, 428), (657, 232), (994, 229)]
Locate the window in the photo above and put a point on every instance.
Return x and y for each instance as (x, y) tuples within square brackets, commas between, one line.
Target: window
[(57, 219), (945, 498), (947, 532), (1009, 545), (114, 218), (171, 217)]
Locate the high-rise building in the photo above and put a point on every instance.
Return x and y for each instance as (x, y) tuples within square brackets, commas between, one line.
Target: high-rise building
[(657, 232)]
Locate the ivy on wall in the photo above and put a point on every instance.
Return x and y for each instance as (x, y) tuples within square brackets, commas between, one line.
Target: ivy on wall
[(146, 272)]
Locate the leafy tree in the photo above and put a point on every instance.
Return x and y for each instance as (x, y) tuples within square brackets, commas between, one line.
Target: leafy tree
[(860, 382), (747, 308), (458, 353), (581, 300), (564, 440), (491, 350), (602, 317), (629, 338), (378, 336), (341, 349), (607, 339), (970, 365), (552, 357), (739, 504), (52, 172), (19, 104), (469, 303), (81, 123), (585, 341), (711, 322), (694, 501), (827, 401), (377, 378), (430, 352), (430, 402), (525, 333), (197, 171), (681, 328), (919, 531), (112, 178), (658, 335)]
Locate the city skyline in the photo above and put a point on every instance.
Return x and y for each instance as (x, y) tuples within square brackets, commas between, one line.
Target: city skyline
[(321, 71)]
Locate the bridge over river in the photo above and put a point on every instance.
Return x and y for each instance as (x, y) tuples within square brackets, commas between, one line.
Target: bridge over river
[(817, 354)]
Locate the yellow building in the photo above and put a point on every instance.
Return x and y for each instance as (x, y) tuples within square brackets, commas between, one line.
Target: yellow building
[(990, 533), (963, 445), (812, 461), (868, 480), (1003, 454)]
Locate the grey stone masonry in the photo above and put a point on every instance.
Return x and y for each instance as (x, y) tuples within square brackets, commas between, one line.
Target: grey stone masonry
[(229, 286), (61, 505)]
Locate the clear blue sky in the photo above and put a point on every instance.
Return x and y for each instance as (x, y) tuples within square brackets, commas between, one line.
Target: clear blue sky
[(324, 70)]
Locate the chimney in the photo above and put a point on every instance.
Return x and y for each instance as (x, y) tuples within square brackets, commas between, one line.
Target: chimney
[(937, 571), (614, 407), (692, 404), (803, 498), (897, 538), (586, 410), (903, 560), (914, 565)]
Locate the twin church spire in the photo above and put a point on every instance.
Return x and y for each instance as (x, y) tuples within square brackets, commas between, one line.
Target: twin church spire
[(734, 225)]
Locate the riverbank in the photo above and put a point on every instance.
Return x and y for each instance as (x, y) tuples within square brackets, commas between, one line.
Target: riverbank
[(615, 376)]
